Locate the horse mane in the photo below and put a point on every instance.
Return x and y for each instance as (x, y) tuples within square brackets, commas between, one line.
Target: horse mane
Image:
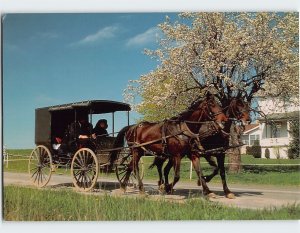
[(188, 111)]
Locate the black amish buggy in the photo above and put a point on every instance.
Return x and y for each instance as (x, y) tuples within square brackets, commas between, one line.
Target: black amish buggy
[(57, 148)]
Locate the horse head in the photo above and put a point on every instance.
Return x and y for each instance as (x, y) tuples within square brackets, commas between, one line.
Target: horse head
[(215, 110), (208, 110), (239, 110)]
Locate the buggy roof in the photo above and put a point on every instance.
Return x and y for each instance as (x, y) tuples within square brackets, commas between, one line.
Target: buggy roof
[(97, 106)]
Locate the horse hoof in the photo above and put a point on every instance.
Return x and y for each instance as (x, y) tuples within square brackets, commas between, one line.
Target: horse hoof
[(161, 188), (230, 196), (141, 190), (171, 191), (123, 190), (199, 182), (211, 195)]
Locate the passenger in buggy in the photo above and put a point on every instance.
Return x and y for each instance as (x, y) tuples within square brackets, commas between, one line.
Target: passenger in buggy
[(100, 129), (80, 131)]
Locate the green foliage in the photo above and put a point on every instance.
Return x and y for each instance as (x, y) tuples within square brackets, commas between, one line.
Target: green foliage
[(18, 160), (254, 150), (294, 149), (27, 204)]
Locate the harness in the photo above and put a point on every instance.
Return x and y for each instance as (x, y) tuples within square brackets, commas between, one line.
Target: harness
[(182, 133)]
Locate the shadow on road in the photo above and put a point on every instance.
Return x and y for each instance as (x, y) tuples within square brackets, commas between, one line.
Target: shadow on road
[(150, 189)]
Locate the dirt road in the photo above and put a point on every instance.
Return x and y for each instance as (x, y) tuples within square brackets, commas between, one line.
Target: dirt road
[(247, 196)]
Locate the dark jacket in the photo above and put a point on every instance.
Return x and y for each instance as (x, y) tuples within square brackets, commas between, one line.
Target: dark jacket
[(78, 128), (100, 131)]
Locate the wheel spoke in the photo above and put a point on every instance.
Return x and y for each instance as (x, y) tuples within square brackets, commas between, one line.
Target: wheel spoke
[(122, 172), (39, 177), (39, 166), (78, 177), (84, 169), (123, 177), (34, 175)]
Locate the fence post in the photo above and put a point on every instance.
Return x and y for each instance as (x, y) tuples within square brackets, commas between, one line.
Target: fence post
[(5, 155)]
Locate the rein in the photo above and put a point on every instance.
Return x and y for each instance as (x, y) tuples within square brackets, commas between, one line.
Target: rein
[(137, 145), (217, 150), (192, 122)]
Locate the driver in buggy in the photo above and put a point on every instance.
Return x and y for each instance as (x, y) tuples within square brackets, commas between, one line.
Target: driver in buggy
[(100, 129)]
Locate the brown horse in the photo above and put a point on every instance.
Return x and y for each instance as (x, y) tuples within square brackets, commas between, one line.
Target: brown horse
[(171, 138), (236, 110)]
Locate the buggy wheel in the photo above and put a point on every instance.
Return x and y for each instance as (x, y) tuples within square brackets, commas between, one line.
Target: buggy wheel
[(84, 169), (40, 166), (123, 166)]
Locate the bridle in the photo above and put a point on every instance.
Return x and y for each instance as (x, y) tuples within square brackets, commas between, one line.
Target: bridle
[(211, 115), (237, 114)]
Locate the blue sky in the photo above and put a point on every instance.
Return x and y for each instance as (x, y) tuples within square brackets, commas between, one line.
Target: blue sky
[(51, 59)]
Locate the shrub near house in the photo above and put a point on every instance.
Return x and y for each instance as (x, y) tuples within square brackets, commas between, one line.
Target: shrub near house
[(294, 150), (254, 150)]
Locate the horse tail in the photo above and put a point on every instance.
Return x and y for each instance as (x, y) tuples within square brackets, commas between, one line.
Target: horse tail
[(119, 142)]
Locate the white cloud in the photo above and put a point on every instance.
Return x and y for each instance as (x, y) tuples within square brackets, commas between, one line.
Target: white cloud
[(49, 35), (144, 38), (45, 36), (102, 34)]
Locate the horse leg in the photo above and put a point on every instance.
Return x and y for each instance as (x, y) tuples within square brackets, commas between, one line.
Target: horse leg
[(176, 165), (161, 182), (221, 160), (213, 164), (201, 181), (166, 175), (129, 169), (159, 164), (196, 165), (137, 154)]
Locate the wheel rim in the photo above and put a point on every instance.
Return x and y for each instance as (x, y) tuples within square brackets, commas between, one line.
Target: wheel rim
[(84, 169), (122, 168), (40, 166)]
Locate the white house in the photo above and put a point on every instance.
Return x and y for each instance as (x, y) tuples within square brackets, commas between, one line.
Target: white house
[(272, 131), (249, 136)]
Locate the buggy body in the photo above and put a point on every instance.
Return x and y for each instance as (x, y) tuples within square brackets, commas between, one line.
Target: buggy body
[(53, 122)]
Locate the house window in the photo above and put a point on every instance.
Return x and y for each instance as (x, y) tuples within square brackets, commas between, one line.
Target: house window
[(275, 132), (253, 138), (246, 142), (278, 129), (245, 139)]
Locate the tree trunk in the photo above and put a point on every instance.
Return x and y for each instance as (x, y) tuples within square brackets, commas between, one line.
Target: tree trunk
[(234, 153)]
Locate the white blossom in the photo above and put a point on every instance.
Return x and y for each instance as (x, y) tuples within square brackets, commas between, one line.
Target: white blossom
[(233, 51)]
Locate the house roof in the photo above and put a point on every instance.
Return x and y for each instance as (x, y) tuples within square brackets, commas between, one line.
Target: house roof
[(280, 116), (249, 128), (97, 106)]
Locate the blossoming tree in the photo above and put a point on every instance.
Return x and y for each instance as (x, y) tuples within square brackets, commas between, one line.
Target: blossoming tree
[(239, 54)]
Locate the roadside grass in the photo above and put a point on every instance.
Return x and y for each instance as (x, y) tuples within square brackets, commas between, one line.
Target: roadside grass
[(254, 171), (28, 204)]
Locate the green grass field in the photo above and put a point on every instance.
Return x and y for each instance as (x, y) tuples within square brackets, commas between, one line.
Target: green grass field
[(264, 172), (28, 204)]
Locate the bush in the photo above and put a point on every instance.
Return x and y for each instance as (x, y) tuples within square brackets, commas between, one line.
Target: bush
[(267, 153), (293, 153), (254, 150), (294, 150)]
